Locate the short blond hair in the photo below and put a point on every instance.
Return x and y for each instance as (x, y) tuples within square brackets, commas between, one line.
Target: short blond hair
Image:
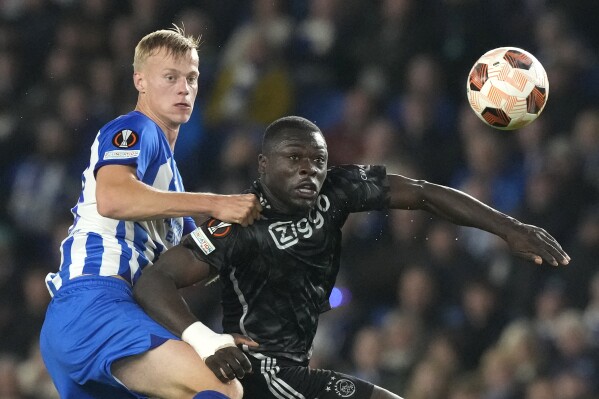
[(173, 40)]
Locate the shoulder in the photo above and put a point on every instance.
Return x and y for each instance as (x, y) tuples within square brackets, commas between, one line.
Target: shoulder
[(128, 128), (344, 173)]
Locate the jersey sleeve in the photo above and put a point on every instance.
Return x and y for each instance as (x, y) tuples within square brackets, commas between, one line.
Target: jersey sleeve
[(219, 244), (359, 188), (128, 143), (189, 225)]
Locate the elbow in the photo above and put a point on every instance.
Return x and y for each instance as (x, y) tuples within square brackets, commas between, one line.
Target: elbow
[(107, 210), (108, 206)]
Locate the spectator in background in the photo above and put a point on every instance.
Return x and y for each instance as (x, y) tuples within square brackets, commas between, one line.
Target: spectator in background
[(345, 137), (573, 384), (429, 380), (466, 387), (33, 376), (565, 164), (488, 160), (399, 231), (540, 388), (575, 360), (425, 117), (25, 327), (452, 265), (591, 310), (394, 35), (266, 20), (254, 90), (237, 157), (417, 296), (403, 339), (566, 58), (367, 353), (102, 88), (586, 246), (498, 375), (585, 134), (482, 322), (519, 342), (312, 47), (40, 185), (549, 303), (10, 388)]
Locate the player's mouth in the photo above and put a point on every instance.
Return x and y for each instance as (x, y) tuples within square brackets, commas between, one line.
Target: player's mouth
[(307, 190), (183, 105)]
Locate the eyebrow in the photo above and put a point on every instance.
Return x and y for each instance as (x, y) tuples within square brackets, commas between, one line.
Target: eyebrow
[(194, 72)]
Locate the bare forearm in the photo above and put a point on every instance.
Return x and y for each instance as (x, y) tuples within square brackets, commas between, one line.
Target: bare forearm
[(138, 201), (447, 203), (160, 298), (120, 195), (465, 210)]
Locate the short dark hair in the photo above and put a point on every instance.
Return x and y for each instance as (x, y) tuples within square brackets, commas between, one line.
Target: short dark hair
[(288, 122)]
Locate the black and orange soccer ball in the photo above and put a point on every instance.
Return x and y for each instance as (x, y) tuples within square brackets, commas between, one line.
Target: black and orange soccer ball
[(507, 88)]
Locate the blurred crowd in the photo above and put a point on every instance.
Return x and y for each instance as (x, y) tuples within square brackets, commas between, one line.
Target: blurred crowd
[(424, 308)]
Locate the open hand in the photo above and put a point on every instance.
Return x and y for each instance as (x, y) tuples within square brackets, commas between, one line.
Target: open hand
[(535, 244), (230, 362)]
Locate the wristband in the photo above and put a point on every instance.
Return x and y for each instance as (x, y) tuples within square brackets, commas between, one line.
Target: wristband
[(205, 341)]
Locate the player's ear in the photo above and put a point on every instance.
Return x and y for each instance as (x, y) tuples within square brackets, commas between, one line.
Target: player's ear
[(262, 160), (139, 82)]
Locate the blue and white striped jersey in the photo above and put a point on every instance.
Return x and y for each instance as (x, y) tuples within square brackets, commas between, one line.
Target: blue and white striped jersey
[(101, 246)]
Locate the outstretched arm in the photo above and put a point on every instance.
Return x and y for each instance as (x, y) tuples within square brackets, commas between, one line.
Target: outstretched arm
[(525, 241), (120, 195), (157, 291)]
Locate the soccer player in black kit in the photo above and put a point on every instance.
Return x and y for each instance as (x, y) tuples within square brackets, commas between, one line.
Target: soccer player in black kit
[(277, 274)]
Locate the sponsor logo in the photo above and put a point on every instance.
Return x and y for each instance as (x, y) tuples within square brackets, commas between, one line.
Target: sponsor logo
[(343, 387), (125, 139), (362, 172), (284, 234), (218, 229), (121, 154), (203, 242), (287, 234)]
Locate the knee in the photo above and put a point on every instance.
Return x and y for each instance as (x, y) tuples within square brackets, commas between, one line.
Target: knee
[(234, 390)]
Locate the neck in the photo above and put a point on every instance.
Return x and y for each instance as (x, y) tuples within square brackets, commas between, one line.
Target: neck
[(171, 132), (279, 206)]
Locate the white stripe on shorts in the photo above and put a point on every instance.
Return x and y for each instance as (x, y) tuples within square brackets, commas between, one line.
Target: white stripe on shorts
[(278, 387)]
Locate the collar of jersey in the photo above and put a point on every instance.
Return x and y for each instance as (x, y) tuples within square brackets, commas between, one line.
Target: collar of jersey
[(268, 210)]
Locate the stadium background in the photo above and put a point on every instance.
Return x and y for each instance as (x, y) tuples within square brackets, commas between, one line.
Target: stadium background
[(422, 307)]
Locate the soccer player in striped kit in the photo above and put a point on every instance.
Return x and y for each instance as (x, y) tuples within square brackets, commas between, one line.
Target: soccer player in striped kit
[(278, 273), (96, 341)]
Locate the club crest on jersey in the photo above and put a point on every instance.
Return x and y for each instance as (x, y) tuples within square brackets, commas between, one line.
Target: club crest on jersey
[(218, 229), (125, 139), (343, 387)]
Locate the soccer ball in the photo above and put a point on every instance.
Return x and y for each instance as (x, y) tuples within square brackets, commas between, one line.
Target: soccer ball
[(507, 88)]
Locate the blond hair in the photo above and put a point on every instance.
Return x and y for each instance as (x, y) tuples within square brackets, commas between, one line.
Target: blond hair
[(173, 40)]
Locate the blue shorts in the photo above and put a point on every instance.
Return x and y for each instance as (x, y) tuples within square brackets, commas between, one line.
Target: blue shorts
[(90, 323)]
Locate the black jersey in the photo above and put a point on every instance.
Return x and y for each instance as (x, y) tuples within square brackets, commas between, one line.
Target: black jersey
[(278, 273)]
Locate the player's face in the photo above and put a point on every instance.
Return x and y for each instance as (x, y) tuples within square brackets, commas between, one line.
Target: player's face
[(168, 87), (294, 170)]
